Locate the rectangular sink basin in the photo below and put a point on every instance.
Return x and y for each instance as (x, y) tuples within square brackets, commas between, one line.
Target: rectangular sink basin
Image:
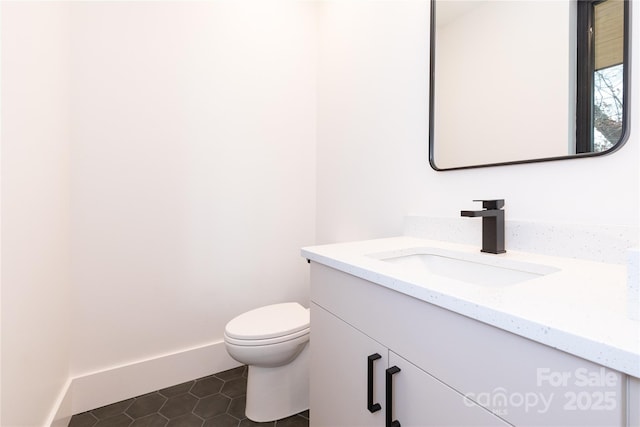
[(477, 269)]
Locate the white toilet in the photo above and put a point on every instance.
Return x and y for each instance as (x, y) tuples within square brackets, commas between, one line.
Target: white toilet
[(273, 342)]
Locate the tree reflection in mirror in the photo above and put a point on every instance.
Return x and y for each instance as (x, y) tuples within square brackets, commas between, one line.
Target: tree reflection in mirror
[(600, 80)]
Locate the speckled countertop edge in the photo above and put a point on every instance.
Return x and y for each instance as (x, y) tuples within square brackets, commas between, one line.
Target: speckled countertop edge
[(581, 309)]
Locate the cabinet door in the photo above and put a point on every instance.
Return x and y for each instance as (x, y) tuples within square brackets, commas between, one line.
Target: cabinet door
[(338, 378), (421, 400)]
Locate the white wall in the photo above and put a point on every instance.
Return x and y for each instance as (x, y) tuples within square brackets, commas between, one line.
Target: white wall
[(193, 170), (190, 189), (35, 280), (373, 132)]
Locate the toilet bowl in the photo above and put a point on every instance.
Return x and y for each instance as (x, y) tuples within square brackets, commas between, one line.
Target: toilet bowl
[(274, 342)]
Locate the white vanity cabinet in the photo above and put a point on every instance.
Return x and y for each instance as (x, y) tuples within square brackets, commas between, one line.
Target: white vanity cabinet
[(454, 371), (340, 359)]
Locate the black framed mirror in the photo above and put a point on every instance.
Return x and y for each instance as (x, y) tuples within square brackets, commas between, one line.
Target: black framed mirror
[(527, 81)]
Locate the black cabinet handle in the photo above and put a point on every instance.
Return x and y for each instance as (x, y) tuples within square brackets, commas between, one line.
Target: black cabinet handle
[(389, 397), (372, 407)]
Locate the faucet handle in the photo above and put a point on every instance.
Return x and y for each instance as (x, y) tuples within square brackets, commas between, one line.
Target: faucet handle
[(492, 204)]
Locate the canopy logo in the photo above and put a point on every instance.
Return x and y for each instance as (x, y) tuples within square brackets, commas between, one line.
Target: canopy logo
[(578, 390)]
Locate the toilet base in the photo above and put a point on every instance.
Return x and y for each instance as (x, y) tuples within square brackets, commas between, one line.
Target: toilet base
[(276, 393)]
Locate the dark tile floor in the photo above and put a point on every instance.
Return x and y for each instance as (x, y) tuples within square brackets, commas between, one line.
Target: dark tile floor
[(214, 401)]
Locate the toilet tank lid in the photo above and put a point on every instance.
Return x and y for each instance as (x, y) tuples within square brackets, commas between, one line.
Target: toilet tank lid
[(269, 322)]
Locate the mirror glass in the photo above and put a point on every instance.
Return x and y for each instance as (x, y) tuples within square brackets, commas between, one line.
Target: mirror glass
[(526, 80)]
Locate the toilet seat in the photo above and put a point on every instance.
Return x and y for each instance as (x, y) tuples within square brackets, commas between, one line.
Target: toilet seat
[(266, 341), (268, 325)]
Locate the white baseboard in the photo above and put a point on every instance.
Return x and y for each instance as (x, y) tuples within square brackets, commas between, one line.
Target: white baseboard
[(61, 413), (96, 389)]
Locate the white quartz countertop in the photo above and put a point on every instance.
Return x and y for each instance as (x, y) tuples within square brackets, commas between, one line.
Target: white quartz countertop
[(581, 308)]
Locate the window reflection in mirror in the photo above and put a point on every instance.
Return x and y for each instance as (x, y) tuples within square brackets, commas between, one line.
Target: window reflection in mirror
[(608, 42), (521, 81)]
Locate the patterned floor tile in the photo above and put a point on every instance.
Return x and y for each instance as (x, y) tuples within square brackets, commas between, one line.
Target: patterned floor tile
[(214, 401)]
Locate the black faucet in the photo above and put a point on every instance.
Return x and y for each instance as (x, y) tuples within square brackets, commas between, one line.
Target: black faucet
[(492, 225)]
